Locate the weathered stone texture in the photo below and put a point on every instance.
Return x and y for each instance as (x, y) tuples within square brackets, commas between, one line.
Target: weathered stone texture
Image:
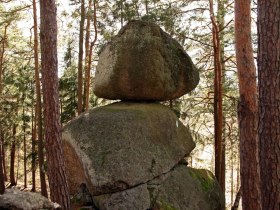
[(144, 63), (122, 145)]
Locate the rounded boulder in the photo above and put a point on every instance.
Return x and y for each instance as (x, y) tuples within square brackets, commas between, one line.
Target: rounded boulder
[(122, 145), (144, 63)]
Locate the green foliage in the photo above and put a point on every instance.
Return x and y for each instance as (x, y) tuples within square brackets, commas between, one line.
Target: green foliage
[(68, 86)]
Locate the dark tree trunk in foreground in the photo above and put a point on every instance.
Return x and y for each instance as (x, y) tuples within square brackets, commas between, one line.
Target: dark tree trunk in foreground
[(56, 166), (38, 115), (269, 101), (247, 110)]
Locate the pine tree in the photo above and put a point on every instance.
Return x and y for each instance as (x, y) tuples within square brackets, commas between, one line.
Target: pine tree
[(56, 171)]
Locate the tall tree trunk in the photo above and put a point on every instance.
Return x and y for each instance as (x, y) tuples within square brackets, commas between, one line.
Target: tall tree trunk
[(220, 35), (218, 109), (39, 119), (2, 179), (33, 148), (87, 78), (2, 51), (13, 157), (87, 48), (24, 148), (269, 101), (80, 61), (56, 166), (247, 110)]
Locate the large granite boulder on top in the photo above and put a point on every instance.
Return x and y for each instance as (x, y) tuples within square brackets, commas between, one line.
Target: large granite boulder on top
[(122, 145), (144, 63)]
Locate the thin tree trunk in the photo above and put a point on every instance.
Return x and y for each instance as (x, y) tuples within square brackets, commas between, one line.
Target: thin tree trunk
[(33, 142), (247, 110), (39, 119), (88, 80), (218, 109), (87, 49), (147, 7), (122, 13), (18, 163), (24, 149), (80, 61), (56, 166), (12, 160), (2, 179), (220, 35), (2, 163), (4, 159), (2, 51), (269, 101), (237, 199)]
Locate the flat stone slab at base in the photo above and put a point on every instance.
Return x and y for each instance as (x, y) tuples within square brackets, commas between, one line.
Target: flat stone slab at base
[(122, 145), (137, 198), (182, 188), (19, 200), (144, 63), (187, 188)]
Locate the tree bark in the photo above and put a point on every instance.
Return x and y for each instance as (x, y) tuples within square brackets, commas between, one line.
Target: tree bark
[(39, 119), (220, 35), (80, 61), (2, 52), (218, 109), (2, 179), (24, 147), (237, 199), (88, 78), (269, 101), (87, 49), (33, 148), (56, 166), (247, 110), (13, 157), (4, 159)]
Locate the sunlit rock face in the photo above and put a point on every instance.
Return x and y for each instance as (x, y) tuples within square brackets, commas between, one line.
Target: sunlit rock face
[(121, 145), (144, 63)]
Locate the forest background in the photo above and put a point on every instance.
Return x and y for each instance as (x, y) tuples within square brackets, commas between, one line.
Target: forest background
[(84, 28)]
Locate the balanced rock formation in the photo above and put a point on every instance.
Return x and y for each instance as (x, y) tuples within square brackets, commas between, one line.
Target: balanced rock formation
[(122, 145), (144, 63), (129, 155)]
